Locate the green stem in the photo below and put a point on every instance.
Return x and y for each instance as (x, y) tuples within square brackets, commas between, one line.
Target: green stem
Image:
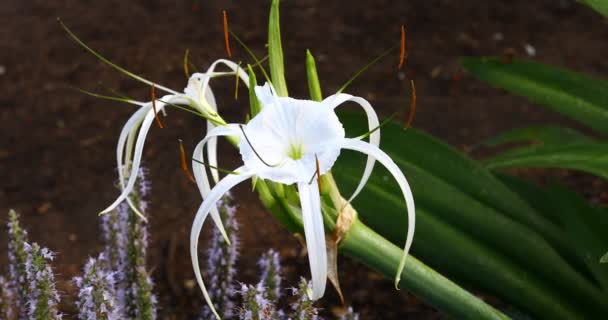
[(363, 244)]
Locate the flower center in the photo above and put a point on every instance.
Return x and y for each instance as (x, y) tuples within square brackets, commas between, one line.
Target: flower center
[(295, 151)]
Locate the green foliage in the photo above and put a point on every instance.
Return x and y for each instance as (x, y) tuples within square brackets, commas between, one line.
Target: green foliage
[(469, 220), (553, 147), (600, 6), (275, 51), (575, 95)]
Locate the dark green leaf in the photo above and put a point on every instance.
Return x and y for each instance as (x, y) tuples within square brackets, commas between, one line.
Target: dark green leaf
[(551, 147), (575, 95)]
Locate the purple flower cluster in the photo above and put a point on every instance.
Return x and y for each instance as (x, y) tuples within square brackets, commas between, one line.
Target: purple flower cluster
[(270, 267), (7, 300), (17, 256), (303, 308), (126, 242), (221, 261), (256, 305), (96, 292), (43, 298), (350, 315)]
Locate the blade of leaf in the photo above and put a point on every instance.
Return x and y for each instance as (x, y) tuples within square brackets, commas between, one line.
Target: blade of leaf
[(254, 104), (314, 87), (275, 51), (586, 225), (460, 171), (600, 6), (550, 146), (575, 95)]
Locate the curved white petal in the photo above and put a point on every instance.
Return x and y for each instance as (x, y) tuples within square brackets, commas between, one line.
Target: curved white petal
[(210, 202), (131, 123), (364, 147), (200, 173), (315, 236), (212, 147), (373, 123), (139, 147), (212, 144)]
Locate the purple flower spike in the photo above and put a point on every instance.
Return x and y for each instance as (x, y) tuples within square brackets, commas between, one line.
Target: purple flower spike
[(42, 295), (303, 308), (7, 300), (17, 257), (96, 292), (126, 238), (270, 268), (350, 315), (256, 305), (221, 261)]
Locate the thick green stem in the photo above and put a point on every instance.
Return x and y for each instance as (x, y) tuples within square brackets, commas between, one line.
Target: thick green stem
[(363, 244)]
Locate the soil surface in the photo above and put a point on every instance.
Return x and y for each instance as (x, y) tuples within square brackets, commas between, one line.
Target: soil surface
[(57, 162)]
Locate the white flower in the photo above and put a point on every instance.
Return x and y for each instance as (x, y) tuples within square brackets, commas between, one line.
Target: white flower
[(284, 143), (198, 98)]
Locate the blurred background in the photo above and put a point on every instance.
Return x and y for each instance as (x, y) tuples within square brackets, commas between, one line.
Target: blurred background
[(57, 161)]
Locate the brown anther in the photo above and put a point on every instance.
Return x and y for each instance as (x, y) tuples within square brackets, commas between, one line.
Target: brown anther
[(226, 34), (412, 105), (186, 71), (153, 94), (183, 161), (402, 52), (318, 173)]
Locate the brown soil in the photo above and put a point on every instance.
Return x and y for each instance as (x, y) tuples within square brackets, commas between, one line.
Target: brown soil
[(57, 145)]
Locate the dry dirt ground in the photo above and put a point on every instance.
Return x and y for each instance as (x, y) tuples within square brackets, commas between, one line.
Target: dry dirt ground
[(57, 145)]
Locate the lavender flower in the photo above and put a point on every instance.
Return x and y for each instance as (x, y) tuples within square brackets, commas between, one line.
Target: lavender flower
[(256, 305), (126, 237), (7, 300), (350, 315), (270, 267), (17, 257), (96, 294), (221, 260), (42, 295), (303, 308)]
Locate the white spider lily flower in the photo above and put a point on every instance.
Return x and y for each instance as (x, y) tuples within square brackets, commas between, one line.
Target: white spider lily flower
[(198, 97), (286, 143)]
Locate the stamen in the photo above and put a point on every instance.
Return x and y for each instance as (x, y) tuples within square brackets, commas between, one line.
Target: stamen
[(385, 122), (254, 151), (186, 71), (258, 62), (318, 173), (365, 67), (112, 98), (402, 53), (236, 82), (216, 168), (160, 124), (226, 38), (183, 161), (412, 105)]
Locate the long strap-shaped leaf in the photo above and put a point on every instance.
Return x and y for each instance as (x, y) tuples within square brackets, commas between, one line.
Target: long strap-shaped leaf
[(573, 94), (551, 147)]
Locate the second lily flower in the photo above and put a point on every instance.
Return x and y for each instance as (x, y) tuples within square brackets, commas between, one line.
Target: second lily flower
[(294, 142)]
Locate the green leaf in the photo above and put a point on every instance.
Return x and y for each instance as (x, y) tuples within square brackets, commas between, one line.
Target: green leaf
[(254, 104), (600, 6), (449, 200), (585, 224), (314, 88), (577, 96), (551, 147), (275, 51)]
